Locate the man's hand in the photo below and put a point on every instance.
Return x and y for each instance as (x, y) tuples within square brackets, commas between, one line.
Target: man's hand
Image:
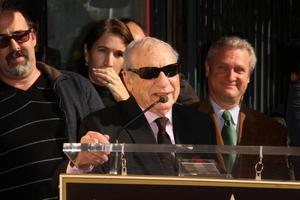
[(87, 159)]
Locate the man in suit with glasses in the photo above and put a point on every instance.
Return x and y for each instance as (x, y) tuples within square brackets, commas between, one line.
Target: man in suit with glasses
[(151, 76)]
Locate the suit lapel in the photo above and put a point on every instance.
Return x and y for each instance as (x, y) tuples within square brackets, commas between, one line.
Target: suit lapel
[(140, 132), (242, 117), (206, 106), (178, 126)]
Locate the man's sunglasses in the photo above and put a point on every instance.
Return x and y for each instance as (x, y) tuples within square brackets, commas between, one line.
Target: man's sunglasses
[(153, 72), (19, 36)]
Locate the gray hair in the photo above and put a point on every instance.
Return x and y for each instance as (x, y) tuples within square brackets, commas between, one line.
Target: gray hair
[(144, 43), (235, 43)]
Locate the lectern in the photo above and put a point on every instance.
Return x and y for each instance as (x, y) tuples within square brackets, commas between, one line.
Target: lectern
[(197, 179)]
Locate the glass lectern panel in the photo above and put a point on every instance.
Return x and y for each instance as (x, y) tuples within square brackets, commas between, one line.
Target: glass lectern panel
[(213, 161)]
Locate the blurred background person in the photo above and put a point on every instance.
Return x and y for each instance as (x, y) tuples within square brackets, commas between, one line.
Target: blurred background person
[(293, 103), (135, 28), (292, 117)]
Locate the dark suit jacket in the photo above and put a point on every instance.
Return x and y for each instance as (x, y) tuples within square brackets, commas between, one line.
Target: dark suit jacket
[(293, 123), (189, 127), (187, 93), (293, 113), (255, 129)]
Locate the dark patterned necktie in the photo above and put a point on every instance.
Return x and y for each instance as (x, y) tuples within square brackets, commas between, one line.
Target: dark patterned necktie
[(162, 135), (167, 159), (230, 138)]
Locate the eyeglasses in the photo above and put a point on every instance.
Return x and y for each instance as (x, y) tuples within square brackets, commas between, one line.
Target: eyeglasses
[(153, 72), (19, 36)]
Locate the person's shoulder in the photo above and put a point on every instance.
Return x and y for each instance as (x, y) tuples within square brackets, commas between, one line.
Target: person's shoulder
[(57, 74), (183, 108), (115, 110), (103, 113), (188, 111), (73, 75), (76, 79), (187, 93), (261, 118), (106, 115), (253, 113), (203, 105)]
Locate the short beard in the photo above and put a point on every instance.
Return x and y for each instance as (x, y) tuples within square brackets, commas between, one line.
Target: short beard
[(20, 70)]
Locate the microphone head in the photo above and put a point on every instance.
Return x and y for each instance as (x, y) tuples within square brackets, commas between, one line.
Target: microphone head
[(163, 99)]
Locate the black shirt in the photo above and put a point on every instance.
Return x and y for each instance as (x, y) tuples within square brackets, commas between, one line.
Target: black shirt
[(31, 139)]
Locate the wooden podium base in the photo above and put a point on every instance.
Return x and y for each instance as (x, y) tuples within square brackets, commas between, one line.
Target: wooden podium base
[(100, 187)]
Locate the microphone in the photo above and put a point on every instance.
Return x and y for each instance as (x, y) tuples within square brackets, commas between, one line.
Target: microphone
[(162, 99)]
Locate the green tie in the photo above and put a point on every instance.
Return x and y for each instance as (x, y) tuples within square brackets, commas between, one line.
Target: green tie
[(228, 130), (229, 137)]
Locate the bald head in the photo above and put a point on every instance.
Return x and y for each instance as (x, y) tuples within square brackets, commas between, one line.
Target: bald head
[(139, 51), (136, 31)]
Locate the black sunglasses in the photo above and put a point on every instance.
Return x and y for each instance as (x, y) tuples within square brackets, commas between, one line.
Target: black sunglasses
[(19, 36), (153, 72)]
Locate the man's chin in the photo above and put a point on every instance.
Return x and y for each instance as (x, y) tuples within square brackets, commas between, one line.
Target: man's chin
[(163, 107), (20, 71), (230, 93)]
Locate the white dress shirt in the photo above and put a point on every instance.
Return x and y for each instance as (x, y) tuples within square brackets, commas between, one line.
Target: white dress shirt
[(151, 117), (233, 111)]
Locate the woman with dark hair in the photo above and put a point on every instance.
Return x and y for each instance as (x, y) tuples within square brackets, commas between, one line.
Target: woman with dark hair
[(103, 49)]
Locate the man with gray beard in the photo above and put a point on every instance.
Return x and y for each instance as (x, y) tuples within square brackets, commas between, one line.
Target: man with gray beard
[(18, 70), (40, 109)]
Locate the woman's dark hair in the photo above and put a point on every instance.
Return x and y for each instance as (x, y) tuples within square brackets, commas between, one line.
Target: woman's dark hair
[(95, 30), (111, 25), (130, 20)]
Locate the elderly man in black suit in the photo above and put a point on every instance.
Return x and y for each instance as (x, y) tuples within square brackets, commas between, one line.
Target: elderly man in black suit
[(150, 73)]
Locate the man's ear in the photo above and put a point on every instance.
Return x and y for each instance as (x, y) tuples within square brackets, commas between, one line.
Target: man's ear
[(127, 80), (34, 37), (206, 69), (85, 51)]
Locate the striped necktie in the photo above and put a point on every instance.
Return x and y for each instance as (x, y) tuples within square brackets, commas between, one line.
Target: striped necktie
[(230, 138), (162, 135), (228, 131), (167, 159)]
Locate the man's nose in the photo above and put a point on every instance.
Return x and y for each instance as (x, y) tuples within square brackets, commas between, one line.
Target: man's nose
[(14, 44), (231, 74), (162, 78)]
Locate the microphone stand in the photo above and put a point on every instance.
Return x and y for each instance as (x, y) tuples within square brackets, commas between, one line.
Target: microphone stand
[(115, 157), (113, 170)]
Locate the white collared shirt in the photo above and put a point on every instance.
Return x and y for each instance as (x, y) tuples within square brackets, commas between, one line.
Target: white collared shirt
[(169, 128), (233, 111)]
